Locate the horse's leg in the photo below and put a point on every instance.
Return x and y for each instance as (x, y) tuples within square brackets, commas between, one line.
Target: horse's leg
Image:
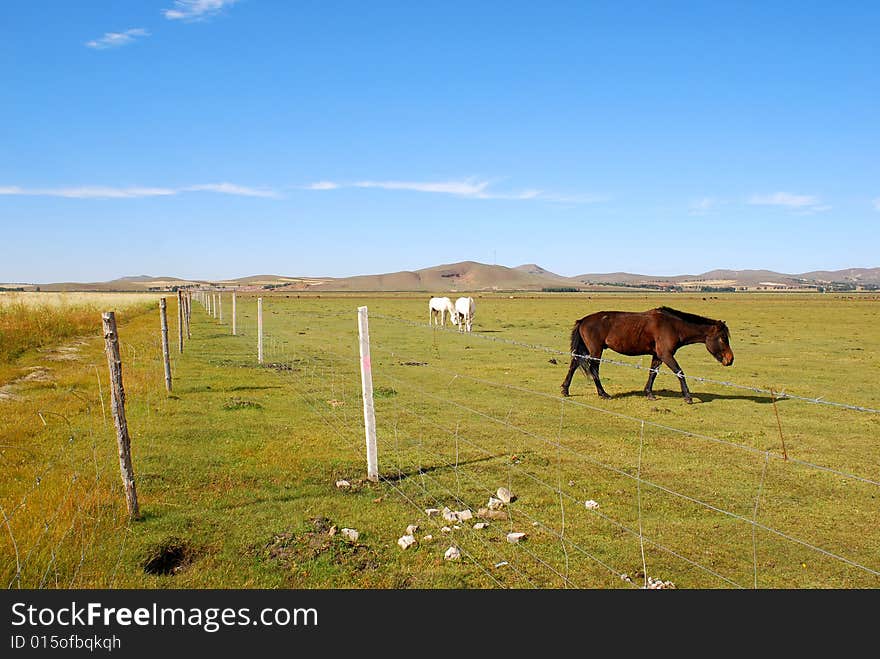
[(575, 362), (594, 371), (655, 365), (669, 360)]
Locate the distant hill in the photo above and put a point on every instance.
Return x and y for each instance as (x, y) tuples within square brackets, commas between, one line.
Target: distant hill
[(475, 276)]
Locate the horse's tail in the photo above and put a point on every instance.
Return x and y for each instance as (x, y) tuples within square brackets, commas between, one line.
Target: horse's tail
[(578, 347)]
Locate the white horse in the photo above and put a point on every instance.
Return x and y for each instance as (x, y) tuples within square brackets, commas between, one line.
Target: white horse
[(464, 313), (438, 307)]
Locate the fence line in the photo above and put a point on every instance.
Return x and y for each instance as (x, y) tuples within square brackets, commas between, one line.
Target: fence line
[(604, 360), (649, 483), (356, 441), (620, 415)]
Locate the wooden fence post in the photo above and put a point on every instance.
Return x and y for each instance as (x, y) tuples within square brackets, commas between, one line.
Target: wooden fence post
[(220, 307), (166, 358), (180, 321), (233, 313), (260, 330), (367, 390), (117, 406)]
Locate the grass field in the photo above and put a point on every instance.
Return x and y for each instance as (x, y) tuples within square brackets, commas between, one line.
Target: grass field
[(236, 468)]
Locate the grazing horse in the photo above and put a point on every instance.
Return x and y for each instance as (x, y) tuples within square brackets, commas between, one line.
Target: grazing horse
[(464, 313), (438, 307), (657, 332)]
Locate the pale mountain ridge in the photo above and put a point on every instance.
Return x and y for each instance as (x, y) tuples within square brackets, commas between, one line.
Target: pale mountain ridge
[(475, 276)]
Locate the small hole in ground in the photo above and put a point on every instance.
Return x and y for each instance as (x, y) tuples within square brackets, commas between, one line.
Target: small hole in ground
[(169, 557)]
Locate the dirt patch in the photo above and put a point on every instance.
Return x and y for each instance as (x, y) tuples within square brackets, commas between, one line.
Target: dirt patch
[(37, 374), (319, 540), (64, 353), (169, 557), (6, 393)]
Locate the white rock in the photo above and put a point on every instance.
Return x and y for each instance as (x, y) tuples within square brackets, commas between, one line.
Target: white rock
[(350, 534), (452, 554), (406, 541), (427, 538), (450, 515), (446, 529), (504, 494), (591, 505), (495, 504), (481, 525), (431, 512), (465, 515), (456, 526), (343, 484), (411, 529), (515, 537), (501, 564)]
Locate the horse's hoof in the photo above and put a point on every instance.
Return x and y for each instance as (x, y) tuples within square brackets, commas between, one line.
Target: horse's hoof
[(565, 392), (650, 396), (689, 401), (604, 396)]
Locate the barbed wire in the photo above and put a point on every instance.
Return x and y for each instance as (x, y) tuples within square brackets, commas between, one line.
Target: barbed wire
[(634, 419), (650, 483), (772, 393), (574, 499)]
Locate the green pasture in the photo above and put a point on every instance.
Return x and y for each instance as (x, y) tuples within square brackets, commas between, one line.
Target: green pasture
[(236, 468)]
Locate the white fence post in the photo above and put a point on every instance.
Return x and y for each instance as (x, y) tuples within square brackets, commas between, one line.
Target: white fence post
[(260, 330), (233, 313), (220, 306), (367, 390)]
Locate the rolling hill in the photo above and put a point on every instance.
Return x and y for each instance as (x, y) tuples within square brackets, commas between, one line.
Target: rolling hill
[(475, 276)]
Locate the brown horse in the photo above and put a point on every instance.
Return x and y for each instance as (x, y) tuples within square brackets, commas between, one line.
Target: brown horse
[(657, 332)]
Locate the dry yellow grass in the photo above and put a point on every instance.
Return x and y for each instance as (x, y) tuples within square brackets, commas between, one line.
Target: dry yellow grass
[(102, 301)]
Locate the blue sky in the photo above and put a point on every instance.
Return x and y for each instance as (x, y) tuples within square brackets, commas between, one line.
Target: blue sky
[(221, 138)]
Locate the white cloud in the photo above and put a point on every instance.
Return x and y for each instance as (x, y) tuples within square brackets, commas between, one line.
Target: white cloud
[(117, 39), (195, 9), (459, 188), (702, 206), (109, 192), (803, 204), (469, 188), (231, 188)]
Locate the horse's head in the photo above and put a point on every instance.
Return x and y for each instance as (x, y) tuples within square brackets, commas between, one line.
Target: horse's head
[(718, 343)]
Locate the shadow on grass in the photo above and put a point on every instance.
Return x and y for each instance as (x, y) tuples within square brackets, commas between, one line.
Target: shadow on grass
[(403, 475), (702, 396)]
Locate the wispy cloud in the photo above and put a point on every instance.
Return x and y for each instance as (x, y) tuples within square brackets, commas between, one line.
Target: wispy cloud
[(703, 206), (117, 39), (193, 10), (876, 203), (467, 188), (110, 192), (804, 203), (233, 189)]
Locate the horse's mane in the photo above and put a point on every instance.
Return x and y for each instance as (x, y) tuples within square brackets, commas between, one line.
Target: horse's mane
[(689, 317)]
